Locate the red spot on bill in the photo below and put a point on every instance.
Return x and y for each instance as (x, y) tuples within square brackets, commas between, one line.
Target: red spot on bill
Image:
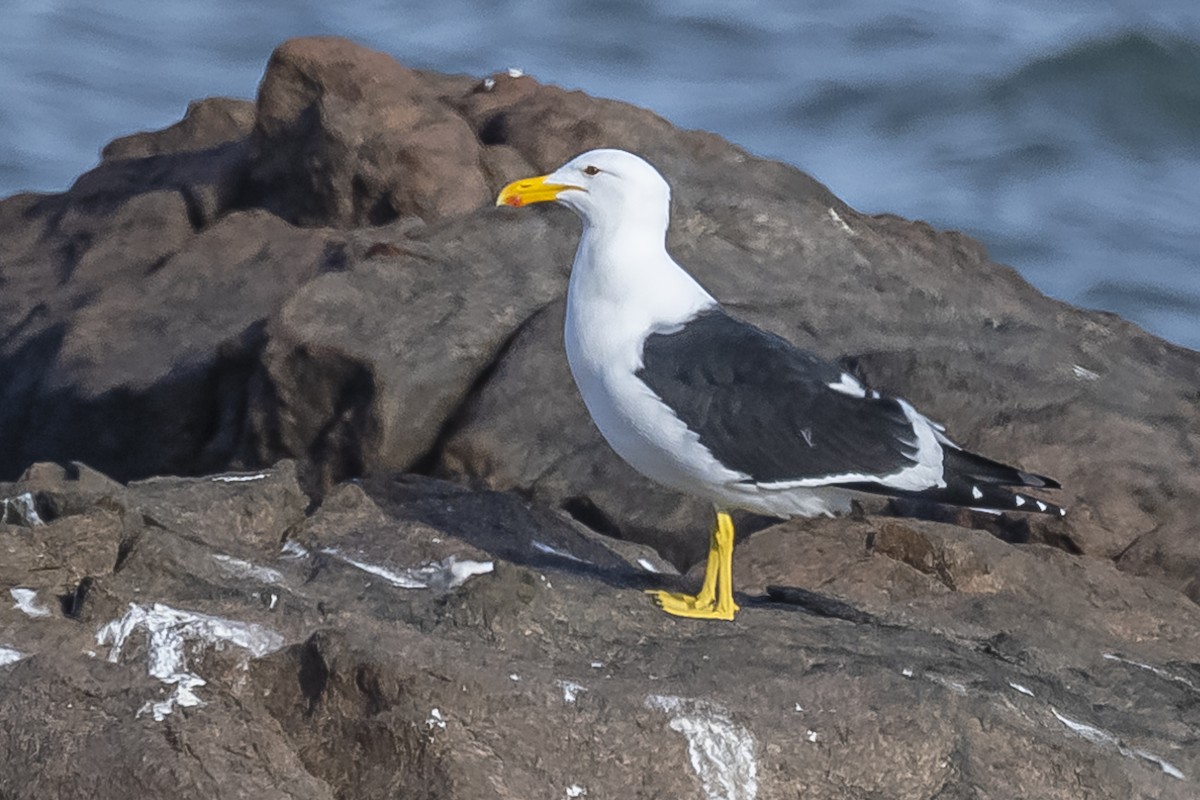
[(514, 201)]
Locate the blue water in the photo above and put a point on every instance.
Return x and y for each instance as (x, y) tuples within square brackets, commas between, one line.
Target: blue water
[(1065, 136)]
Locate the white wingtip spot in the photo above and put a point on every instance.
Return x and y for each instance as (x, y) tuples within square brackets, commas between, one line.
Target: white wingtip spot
[(975, 493), (1041, 506), (848, 384), (1020, 501)]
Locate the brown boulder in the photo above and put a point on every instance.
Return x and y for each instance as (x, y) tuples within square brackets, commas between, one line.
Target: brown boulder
[(345, 136)]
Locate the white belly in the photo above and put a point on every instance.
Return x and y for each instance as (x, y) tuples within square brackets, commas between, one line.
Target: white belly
[(634, 422)]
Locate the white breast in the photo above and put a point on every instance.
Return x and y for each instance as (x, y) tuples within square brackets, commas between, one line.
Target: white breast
[(612, 303)]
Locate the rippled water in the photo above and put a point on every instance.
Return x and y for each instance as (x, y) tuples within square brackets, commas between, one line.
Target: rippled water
[(1065, 136)]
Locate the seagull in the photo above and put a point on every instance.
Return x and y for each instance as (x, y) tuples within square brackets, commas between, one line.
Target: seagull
[(716, 408)]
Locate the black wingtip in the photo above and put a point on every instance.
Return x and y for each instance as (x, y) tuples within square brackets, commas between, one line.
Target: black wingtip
[(972, 468), (990, 498), (993, 498)]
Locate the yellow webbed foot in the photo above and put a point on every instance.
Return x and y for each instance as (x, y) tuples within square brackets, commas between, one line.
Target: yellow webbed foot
[(715, 600), (686, 605)]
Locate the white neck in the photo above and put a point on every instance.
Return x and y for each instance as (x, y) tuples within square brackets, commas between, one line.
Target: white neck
[(630, 273)]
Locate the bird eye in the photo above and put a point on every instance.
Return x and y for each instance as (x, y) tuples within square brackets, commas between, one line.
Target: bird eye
[(589, 170)]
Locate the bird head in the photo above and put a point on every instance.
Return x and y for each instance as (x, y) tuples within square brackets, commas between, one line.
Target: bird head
[(604, 187)]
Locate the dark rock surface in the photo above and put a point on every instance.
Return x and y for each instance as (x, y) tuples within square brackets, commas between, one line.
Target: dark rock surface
[(530, 663), (320, 276)]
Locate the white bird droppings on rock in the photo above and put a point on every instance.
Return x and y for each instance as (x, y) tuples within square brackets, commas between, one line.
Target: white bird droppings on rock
[(435, 720), (515, 72), (597, 665), (9, 656), (722, 753), (293, 549), (1102, 737), (402, 580), (1083, 373), (167, 630), (542, 547), (647, 565), (238, 478), (1163, 764), (20, 510), (27, 602), (1089, 732), (239, 568), (953, 685), (575, 790), (448, 573), (906, 672), (836, 217), (571, 690), (1020, 688), (812, 736), (462, 571), (1159, 671)]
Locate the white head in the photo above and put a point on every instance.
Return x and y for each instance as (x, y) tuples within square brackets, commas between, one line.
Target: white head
[(606, 188)]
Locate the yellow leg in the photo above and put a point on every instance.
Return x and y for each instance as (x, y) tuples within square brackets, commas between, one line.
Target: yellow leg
[(715, 600)]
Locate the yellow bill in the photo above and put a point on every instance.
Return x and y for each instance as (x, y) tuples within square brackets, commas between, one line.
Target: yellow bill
[(530, 190)]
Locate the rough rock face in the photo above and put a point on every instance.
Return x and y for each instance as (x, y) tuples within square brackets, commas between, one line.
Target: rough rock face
[(208, 637), (373, 140), (319, 275)]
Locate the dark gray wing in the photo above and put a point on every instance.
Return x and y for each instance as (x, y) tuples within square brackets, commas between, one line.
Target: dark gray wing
[(764, 407)]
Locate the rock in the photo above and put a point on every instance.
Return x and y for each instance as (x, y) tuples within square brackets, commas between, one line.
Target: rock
[(143, 369), (363, 367), (258, 515), (348, 137), (208, 124), (313, 670)]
